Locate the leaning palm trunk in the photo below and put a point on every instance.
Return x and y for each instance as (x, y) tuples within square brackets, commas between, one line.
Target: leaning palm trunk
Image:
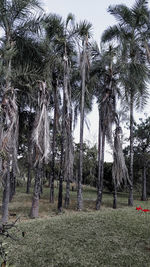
[(130, 200), (41, 142)]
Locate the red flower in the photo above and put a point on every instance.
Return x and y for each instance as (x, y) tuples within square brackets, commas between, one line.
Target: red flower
[(139, 208), (146, 210)]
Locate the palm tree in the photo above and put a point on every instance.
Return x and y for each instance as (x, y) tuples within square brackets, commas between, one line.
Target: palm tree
[(54, 30), (15, 18), (103, 73), (66, 165), (61, 48), (84, 32), (133, 72)]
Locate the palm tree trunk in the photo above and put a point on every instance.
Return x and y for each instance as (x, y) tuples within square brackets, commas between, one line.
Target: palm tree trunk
[(70, 161), (144, 197), (28, 179), (99, 163), (115, 196), (101, 173), (130, 200), (6, 194), (61, 173), (60, 193), (12, 184), (54, 145), (67, 196), (79, 190), (29, 164), (35, 201)]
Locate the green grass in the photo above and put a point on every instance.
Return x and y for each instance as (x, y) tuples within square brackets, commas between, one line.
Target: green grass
[(89, 238)]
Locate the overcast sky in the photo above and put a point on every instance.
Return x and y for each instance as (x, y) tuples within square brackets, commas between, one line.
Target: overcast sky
[(94, 11)]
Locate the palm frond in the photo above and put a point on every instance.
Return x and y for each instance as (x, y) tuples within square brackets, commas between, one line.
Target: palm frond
[(122, 13), (119, 169), (84, 29)]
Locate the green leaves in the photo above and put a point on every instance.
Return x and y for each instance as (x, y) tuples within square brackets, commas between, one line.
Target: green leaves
[(84, 29), (122, 14), (111, 33)]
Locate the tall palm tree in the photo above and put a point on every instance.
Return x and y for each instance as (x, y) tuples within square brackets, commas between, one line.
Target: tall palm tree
[(103, 73), (60, 45), (84, 34), (66, 166), (15, 18), (54, 29), (133, 72)]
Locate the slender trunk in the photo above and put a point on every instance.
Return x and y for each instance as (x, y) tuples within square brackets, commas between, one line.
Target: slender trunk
[(6, 194), (29, 166), (12, 184), (79, 190), (67, 196), (99, 163), (36, 194), (115, 196), (69, 161), (42, 177), (101, 173), (130, 200), (54, 145), (28, 179), (144, 197), (60, 193), (61, 173)]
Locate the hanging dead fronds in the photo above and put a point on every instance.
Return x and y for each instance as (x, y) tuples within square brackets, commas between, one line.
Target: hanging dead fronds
[(41, 132), (119, 169), (9, 130)]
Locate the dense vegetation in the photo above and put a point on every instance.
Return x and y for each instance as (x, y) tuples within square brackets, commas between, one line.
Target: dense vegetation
[(51, 69)]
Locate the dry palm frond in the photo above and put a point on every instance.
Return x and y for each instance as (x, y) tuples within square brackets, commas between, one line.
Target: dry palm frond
[(9, 133), (41, 133), (119, 169)]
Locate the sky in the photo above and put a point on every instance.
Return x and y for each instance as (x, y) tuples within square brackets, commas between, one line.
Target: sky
[(95, 12)]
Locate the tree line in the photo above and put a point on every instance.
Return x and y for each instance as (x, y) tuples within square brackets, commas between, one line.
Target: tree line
[(50, 71)]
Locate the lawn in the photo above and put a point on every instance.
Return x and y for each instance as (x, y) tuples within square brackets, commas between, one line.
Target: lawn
[(107, 237)]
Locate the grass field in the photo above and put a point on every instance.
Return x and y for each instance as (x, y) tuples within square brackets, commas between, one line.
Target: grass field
[(107, 237)]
